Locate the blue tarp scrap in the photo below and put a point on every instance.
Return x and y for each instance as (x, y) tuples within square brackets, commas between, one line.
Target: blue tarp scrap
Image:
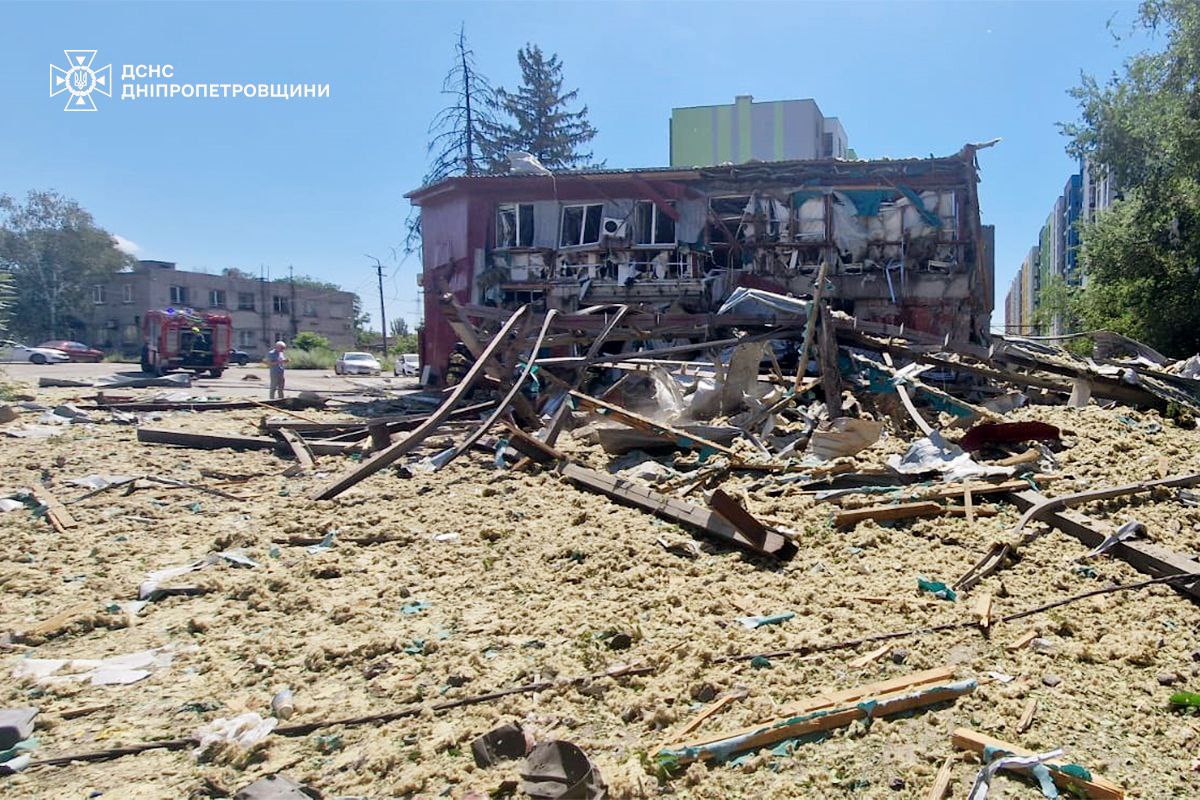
[(930, 217), (868, 201)]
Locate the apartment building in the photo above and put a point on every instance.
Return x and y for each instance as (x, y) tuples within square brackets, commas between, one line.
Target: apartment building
[(781, 130), (263, 312), (902, 239)]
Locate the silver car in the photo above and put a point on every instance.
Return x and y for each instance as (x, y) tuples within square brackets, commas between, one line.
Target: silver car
[(357, 364), (13, 352)]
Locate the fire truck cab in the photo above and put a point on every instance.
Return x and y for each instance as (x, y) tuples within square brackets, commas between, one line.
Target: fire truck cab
[(183, 339)]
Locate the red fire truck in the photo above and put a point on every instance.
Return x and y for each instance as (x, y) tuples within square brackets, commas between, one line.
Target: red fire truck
[(183, 339)]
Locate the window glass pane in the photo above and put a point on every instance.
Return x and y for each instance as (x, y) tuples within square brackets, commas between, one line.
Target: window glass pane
[(591, 228), (526, 223), (644, 222), (664, 232), (572, 223), (506, 226)]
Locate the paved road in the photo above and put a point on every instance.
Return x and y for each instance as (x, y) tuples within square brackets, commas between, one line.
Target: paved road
[(236, 382)]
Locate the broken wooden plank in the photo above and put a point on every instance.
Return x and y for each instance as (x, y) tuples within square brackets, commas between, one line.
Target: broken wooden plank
[(531, 446), (1095, 786), (395, 451), (56, 512), (1026, 720), (218, 441), (300, 448), (983, 610), (941, 784), (774, 544), (720, 747), (680, 437), (869, 658), (737, 516), (708, 712), (1022, 640)]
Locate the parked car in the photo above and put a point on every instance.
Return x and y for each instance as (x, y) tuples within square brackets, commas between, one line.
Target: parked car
[(408, 365), (357, 364), (13, 352), (76, 351), (239, 357)]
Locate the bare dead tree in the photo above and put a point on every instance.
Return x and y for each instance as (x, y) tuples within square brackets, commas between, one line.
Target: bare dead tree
[(458, 143)]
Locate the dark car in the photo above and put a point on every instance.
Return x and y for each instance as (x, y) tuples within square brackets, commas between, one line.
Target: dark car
[(239, 357), (76, 351)]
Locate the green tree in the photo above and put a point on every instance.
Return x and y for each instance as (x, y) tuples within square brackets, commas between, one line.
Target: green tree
[(55, 253), (307, 340), (1141, 257), (539, 122)]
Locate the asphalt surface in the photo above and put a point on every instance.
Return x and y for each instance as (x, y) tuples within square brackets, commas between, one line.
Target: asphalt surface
[(248, 381)]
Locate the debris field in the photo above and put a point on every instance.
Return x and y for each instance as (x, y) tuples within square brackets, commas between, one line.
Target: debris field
[(711, 569)]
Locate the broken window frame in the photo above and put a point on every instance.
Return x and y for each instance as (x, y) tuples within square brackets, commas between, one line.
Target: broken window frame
[(581, 240), (522, 233), (658, 219)]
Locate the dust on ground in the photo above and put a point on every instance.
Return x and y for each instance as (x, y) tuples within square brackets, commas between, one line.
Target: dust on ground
[(533, 584)]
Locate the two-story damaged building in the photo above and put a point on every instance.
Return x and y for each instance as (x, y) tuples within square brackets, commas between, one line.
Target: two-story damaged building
[(902, 240)]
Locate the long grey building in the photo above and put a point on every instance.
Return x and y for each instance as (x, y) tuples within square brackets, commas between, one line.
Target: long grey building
[(263, 312)]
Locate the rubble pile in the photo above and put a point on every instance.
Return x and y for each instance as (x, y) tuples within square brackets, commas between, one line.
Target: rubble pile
[(802, 555)]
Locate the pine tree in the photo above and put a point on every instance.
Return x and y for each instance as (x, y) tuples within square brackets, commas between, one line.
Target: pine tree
[(539, 121)]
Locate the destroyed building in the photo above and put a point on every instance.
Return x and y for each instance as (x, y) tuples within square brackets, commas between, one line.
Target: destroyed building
[(902, 240)]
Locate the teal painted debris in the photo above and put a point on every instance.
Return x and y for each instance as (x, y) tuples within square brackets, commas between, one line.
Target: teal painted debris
[(937, 589)]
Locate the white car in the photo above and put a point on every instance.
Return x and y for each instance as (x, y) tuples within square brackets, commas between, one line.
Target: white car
[(13, 352), (357, 364), (408, 365)]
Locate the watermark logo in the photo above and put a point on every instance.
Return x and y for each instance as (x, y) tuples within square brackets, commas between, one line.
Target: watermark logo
[(80, 80)]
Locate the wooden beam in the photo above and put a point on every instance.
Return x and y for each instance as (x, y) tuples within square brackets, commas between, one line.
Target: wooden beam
[(693, 516), (300, 449), (508, 398), (810, 325), (393, 452), (219, 441), (831, 376), (1145, 557), (738, 517), (667, 432), (823, 720), (927, 508), (1096, 786)]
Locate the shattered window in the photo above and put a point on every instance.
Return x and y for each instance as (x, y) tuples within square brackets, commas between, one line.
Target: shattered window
[(580, 225), (653, 225), (514, 225)]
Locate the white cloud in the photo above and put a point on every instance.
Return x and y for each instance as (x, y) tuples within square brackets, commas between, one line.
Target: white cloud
[(127, 245)]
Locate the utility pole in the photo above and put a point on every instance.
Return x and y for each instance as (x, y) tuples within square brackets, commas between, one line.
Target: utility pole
[(382, 315), (292, 306)]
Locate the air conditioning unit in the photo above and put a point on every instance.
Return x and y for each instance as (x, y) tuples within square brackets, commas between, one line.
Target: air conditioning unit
[(613, 228)]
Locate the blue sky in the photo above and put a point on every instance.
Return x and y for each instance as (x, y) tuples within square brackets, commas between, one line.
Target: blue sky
[(318, 183)]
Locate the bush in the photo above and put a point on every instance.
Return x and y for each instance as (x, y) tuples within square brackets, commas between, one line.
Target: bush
[(317, 358), (309, 341)]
